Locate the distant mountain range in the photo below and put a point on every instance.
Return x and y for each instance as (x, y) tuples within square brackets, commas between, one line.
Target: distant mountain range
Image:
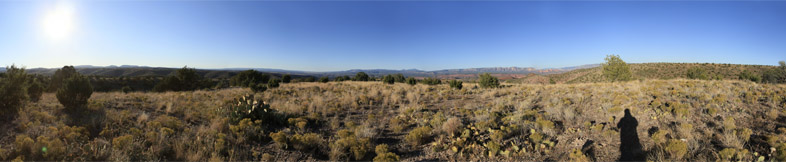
[(134, 71)]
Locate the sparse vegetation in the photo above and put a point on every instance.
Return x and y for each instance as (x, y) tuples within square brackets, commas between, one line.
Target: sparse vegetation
[(431, 81), (346, 120), (697, 73)]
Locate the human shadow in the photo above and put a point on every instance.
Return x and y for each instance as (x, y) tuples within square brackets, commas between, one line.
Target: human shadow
[(630, 147)]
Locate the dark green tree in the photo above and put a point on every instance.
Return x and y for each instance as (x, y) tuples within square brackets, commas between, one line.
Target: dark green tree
[(185, 79), (248, 78), (389, 79), (324, 79), (616, 70), (261, 87), (273, 83), (74, 94), (412, 81), (12, 92), (35, 90), (361, 76), (286, 78), (310, 79), (61, 75), (399, 77)]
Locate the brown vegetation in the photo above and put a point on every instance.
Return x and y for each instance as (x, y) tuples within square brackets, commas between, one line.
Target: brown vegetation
[(677, 120)]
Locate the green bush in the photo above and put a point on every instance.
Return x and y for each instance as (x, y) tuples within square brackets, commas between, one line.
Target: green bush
[(697, 73), (12, 91), (261, 87), (185, 79), (286, 78), (342, 78), (457, 84), (399, 77), (488, 81), (412, 81), (273, 83), (418, 136), (431, 81), (310, 79), (324, 79), (616, 70), (747, 75), (248, 78), (74, 94), (361, 76), (35, 90), (389, 79), (776, 75)]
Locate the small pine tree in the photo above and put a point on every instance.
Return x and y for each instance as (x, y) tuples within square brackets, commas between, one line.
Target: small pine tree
[(35, 90), (273, 83), (389, 79), (286, 78), (488, 81), (60, 76), (412, 81), (616, 70), (74, 94), (399, 77), (324, 79), (12, 92), (456, 84)]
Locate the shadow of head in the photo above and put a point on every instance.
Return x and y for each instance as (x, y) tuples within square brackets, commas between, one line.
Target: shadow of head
[(630, 146)]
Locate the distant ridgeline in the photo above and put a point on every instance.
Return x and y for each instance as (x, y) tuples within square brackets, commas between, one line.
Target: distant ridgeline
[(137, 78), (707, 71)]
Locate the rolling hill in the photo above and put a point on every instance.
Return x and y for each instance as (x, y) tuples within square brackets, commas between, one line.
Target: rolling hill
[(646, 71)]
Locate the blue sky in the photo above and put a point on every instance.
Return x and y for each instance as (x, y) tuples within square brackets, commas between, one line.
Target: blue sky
[(427, 35)]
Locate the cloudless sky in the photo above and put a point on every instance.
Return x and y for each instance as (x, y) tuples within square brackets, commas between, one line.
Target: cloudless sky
[(427, 35)]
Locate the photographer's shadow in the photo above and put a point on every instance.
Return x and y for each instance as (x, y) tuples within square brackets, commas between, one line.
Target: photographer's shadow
[(630, 146)]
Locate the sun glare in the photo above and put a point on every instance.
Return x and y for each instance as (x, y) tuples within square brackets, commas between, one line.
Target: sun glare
[(59, 22)]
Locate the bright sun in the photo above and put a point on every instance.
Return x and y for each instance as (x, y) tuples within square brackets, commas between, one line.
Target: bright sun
[(59, 22)]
